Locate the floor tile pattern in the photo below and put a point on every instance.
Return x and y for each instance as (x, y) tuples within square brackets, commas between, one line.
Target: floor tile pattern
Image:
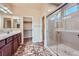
[(30, 49)]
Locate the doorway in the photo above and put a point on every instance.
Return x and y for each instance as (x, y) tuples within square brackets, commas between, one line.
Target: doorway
[(43, 28), (27, 28)]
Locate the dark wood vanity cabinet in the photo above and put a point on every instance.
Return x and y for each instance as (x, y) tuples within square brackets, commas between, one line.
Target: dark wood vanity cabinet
[(10, 45), (6, 50), (15, 43), (19, 39), (0, 52)]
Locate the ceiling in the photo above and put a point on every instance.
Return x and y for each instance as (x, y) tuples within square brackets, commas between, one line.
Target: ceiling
[(32, 7)]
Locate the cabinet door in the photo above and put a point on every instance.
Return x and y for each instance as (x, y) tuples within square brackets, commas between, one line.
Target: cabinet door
[(6, 50), (0, 53), (15, 45), (19, 39), (2, 43)]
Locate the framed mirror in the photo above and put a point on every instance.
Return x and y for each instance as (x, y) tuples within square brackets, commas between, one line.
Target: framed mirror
[(6, 22)]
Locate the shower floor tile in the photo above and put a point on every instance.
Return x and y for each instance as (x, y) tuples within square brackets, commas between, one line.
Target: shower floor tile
[(64, 50)]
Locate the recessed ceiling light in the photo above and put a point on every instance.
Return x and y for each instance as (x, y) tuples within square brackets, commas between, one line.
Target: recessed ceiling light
[(49, 10)]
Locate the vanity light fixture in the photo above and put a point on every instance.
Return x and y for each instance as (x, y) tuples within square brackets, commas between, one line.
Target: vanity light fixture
[(6, 10), (9, 11), (1, 9)]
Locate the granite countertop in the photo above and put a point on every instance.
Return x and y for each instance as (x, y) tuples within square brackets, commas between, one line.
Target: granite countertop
[(8, 34)]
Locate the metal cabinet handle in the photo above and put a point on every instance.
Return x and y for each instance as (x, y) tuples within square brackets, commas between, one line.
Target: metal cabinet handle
[(78, 35)]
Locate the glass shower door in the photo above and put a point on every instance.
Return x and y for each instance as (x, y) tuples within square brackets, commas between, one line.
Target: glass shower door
[(51, 35), (69, 35)]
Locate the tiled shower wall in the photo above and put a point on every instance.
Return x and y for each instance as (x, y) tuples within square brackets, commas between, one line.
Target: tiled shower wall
[(71, 37), (51, 34)]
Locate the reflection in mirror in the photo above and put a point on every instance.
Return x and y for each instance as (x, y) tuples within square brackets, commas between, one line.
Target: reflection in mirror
[(7, 23), (16, 23)]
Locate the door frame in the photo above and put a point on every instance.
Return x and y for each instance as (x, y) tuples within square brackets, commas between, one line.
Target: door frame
[(45, 33), (32, 26), (43, 29)]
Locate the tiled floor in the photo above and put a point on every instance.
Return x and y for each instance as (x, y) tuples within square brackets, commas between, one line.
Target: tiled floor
[(30, 49), (37, 49)]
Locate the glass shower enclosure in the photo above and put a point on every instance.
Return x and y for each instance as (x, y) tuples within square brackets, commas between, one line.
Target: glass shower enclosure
[(62, 31)]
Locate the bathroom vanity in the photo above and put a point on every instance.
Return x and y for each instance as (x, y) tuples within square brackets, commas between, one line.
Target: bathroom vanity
[(9, 43)]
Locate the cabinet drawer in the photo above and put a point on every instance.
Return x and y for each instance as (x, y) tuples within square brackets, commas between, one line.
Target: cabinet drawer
[(15, 36), (2, 43), (9, 39)]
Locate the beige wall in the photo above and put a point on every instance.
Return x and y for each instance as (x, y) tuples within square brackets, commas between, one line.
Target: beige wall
[(46, 7), (36, 11)]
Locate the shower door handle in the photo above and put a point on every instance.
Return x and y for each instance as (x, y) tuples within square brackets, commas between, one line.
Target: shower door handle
[(78, 35)]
